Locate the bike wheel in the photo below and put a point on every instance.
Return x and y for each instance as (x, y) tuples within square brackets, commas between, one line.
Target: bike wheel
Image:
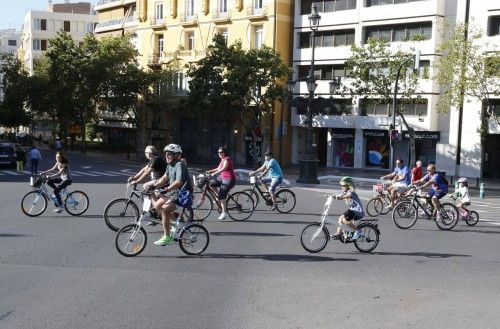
[(33, 203), (285, 201), (374, 207), (369, 241), (194, 239), (449, 217), (131, 240), (312, 240), (76, 203), (239, 206), (386, 203), (202, 204), (404, 215), (472, 219), (254, 195), (119, 213)]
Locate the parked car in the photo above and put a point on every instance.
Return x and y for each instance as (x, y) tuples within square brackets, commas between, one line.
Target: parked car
[(7, 155)]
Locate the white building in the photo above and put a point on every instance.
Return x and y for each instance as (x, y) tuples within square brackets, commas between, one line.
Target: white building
[(9, 44), (77, 19), (359, 138)]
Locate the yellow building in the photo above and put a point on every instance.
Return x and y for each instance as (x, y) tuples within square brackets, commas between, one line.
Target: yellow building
[(180, 30)]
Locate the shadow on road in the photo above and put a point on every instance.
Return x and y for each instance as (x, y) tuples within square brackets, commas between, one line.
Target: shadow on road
[(420, 254), (13, 235), (248, 234), (269, 257)]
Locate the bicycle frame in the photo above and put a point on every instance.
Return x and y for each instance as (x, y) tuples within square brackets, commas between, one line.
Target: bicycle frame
[(415, 200), (346, 230), (45, 191)]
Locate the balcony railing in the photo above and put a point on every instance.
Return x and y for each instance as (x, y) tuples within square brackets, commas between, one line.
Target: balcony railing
[(219, 15), (256, 12), (109, 25), (155, 59), (189, 19), (156, 22), (102, 4)]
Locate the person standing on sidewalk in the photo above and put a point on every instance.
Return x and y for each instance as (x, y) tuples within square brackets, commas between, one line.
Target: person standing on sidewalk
[(35, 156), (274, 178), (20, 158)]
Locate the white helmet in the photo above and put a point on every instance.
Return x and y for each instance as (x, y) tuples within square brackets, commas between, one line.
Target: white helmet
[(462, 180), (174, 148)]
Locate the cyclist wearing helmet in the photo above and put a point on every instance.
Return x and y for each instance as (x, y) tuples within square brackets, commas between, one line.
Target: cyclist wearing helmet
[(355, 211), (463, 194), (155, 168), (177, 178), (274, 177), (225, 180)]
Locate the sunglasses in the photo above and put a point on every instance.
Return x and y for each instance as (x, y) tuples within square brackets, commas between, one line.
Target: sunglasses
[(169, 154)]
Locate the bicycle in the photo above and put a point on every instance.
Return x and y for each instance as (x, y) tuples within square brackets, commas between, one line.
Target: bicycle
[(380, 204), (406, 212), (131, 239), (34, 203), (471, 217), (315, 236), (239, 205), (122, 211), (285, 198)]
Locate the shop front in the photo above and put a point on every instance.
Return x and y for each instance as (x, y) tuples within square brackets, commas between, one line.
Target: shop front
[(377, 148), (425, 146), (342, 141)]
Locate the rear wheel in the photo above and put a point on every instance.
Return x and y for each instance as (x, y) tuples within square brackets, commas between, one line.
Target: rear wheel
[(239, 206), (374, 207), (254, 195), (34, 203), (202, 204), (120, 212), (404, 215), (370, 238), (285, 200), (194, 239), (131, 240), (448, 217), (76, 203), (473, 218), (314, 238)]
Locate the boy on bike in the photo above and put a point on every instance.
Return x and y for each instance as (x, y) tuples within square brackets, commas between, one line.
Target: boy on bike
[(355, 211), (274, 175)]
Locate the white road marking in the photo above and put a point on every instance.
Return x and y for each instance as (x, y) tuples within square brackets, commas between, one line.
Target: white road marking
[(103, 173), (119, 173), (84, 173)]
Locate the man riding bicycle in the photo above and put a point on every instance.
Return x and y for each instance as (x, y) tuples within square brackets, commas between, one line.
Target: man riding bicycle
[(400, 180), (177, 177), (439, 187), (274, 178), (155, 168)]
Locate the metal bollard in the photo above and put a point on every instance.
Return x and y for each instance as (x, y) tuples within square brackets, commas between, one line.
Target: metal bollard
[(481, 191)]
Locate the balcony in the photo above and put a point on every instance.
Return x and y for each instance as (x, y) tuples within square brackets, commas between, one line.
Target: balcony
[(131, 21), (187, 20), (219, 16), (113, 24), (191, 55), (255, 13), (156, 22), (155, 59), (106, 4)]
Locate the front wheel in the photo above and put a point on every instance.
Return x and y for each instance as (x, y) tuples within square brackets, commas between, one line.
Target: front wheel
[(76, 203), (202, 204), (472, 219), (448, 217), (119, 213), (254, 195), (194, 239), (374, 207), (314, 238), (369, 240), (131, 240), (239, 206), (404, 215), (34, 203), (285, 201)]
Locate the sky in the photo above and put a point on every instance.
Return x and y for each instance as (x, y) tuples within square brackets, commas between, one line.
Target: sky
[(12, 12)]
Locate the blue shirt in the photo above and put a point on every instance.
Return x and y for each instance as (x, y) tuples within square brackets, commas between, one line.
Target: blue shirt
[(274, 168), (403, 171), (438, 180)]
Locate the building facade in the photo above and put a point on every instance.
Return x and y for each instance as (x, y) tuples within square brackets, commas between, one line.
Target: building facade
[(359, 137)]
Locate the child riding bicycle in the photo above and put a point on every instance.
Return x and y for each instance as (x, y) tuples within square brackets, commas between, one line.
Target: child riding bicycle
[(355, 211), (462, 195)]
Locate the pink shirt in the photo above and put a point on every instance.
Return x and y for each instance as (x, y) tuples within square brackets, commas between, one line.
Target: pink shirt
[(227, 174)]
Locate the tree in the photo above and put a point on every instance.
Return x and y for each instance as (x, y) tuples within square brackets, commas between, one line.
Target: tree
[(478, 72), (237, 82), (373, 69), (15, 84)]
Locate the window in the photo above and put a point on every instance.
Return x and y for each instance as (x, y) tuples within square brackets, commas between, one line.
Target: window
[(324, 72), (424, 70), (259, 36), (159, 10), (43, 24), (224, 33), (326, 6), (43, 45), (89, 27), (371, 3), (36, 44), (12, 43), (190, 8), (160, 44), (37, 24), (415, 109), (190, 40), (401, 32), (375, 107), (223, 6), (67, 26), (327, 38), (494, 26), (492, 67), (257, 4)]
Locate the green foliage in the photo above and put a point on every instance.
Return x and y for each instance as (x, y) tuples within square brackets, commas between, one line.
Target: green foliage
[(15, 83)]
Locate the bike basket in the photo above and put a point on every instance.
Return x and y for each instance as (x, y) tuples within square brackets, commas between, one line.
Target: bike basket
[(200, 181), (379, 187), (252, 180), (36, 182), (185, 198)]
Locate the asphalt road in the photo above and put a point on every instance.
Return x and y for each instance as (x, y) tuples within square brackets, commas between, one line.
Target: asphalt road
[(59, 271)]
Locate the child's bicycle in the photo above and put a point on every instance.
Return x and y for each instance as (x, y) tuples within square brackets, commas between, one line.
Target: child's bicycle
[(471, 217), (34, 203), (315, 237), (193, 238)]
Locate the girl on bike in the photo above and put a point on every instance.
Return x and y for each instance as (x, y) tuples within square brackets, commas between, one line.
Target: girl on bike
[(463, 194), (62, 175), (226, 178), (355, 211)]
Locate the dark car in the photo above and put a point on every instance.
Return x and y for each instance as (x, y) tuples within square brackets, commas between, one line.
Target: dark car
[(7, 155)]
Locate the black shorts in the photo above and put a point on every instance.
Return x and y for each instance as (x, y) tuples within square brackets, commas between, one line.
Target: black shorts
[(351, 215)]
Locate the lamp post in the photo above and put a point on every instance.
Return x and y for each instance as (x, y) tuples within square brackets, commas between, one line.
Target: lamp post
[(309, 163)]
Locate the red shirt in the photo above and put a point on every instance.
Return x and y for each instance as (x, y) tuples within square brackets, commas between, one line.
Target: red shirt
[(416, 174)]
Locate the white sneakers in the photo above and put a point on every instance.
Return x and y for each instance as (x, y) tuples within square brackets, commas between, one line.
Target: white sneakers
[(58, 210), (222, 216)]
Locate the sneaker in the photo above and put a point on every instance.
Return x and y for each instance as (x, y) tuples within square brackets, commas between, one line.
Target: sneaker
[(357, 234), (222, 216), (335, 236), (273, 208), (164, 241), (58, 210), (438, 215)]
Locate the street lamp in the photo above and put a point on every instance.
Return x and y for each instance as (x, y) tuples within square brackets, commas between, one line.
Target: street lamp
[(309, 163)]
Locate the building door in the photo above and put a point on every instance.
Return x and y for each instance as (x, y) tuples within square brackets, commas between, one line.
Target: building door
[(322, 145), (190, 139), (491, 161)]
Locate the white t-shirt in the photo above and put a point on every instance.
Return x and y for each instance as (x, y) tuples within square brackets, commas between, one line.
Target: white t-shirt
[(464, 194)]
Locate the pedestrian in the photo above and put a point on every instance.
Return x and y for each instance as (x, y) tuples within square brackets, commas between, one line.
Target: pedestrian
[(58, 144), (20, 157), (35, 156), (416, 172)]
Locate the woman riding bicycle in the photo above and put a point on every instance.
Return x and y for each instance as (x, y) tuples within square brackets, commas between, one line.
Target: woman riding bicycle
[(226, 178), (355, 211), (61, 169)]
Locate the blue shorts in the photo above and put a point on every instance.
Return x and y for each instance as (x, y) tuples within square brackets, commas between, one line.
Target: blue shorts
[(432, 193), (272, 183)]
